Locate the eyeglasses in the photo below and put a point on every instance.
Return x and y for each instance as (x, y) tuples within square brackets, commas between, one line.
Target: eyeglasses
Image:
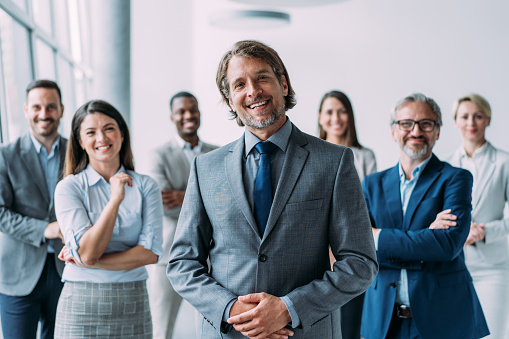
[(425, 125)]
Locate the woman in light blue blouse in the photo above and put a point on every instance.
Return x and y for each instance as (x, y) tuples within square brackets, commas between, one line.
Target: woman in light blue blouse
[(111, 219)]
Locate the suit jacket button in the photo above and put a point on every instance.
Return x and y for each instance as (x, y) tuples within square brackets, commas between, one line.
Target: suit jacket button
[(262, 257), (392, 284)]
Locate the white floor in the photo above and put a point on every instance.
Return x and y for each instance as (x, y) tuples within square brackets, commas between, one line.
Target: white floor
[(185, 328)]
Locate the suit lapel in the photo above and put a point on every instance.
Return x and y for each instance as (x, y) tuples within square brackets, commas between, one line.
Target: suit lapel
[(484, 177), (31, 160), (233, 168), (295, 160), (428, 176), (62, 151), (392, 194)]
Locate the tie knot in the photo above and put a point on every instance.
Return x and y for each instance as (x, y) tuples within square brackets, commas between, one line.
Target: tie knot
[(265, 147)]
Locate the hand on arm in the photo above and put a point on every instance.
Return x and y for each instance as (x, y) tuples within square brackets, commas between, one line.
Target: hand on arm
[(476, 233), (266, 320), (444, 220), (127, 260), (172, 198), (52, 231), (96, 239)]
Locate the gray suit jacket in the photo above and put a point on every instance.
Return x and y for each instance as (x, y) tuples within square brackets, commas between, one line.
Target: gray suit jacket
[(318, 202), (170, 169), (25, 210)]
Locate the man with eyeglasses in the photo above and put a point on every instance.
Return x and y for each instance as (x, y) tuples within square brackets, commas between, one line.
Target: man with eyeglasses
[(420, 214)]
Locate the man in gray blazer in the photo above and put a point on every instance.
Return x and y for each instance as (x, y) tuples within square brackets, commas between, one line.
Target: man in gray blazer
[(170, 166), (30, 237), (251, 248)]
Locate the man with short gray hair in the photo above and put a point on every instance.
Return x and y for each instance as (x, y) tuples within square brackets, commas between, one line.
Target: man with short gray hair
[(420, 214)]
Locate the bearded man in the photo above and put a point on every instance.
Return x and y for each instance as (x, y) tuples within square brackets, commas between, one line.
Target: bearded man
[(420, 214), (251, 248)]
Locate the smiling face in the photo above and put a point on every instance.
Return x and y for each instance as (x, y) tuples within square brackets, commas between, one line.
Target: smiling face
[(333, 118), (186, 116), (415, 144), (471, 122), (43, 111), (102, 139), (256, 94)]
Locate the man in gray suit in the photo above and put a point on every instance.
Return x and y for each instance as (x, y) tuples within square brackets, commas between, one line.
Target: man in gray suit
[(263, 212), (30, 237), (170, 167)]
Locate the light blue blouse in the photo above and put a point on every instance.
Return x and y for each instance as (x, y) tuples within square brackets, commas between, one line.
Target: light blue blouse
[(79, 201)]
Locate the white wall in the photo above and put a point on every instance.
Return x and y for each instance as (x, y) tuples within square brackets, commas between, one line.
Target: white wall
[(161, 65), (375, 51)]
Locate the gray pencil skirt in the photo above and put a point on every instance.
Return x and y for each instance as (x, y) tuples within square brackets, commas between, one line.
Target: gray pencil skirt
[(103, 310)]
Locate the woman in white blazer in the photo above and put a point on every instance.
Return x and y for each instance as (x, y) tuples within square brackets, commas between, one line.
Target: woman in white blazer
[(336, 124), (487, 247)]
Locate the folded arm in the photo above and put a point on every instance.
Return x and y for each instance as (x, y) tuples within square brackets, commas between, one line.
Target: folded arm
[(423, 243)]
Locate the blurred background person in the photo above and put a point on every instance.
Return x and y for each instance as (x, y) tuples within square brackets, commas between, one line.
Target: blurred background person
[(30, 238), (336, 124), (111, 218), (170, 166), (486, 248)]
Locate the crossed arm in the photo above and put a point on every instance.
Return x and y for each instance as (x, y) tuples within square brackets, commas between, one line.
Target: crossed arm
[(442, 240), (90, 251)]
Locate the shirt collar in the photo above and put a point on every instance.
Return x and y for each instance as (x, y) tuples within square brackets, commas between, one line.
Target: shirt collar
[(280, 138), (480, 151), (38, 146), (186, 145), (94, 177), (416, 173)]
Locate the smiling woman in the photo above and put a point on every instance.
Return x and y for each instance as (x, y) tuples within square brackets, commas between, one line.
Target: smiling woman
[(486, 248), (111, 218)]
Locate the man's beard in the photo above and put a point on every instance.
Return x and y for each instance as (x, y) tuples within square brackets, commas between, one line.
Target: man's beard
[(415, 154), (274, 116), (49, 132)]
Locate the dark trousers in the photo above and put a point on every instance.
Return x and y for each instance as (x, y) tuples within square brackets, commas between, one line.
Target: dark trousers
[(351, 314), (402, 328), (21, 315)]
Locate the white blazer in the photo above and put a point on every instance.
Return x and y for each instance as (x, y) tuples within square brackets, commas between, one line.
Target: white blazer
[(488, 203)]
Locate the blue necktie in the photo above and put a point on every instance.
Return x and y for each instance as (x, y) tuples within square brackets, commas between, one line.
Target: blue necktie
[(263, 185)]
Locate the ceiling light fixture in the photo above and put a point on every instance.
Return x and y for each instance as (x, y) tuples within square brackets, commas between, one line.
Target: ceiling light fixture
[(249, 19), (288, 3)]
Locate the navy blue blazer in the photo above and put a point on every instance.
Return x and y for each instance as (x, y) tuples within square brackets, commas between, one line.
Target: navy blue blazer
[(443, 301)]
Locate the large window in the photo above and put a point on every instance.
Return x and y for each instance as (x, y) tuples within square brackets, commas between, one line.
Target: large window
[(42, 39)]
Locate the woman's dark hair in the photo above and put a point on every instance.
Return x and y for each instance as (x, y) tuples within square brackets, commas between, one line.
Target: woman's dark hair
[(351, 133), (76, 159)]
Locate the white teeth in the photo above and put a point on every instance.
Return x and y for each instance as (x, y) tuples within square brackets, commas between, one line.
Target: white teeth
[(103, 148), (258, 104)]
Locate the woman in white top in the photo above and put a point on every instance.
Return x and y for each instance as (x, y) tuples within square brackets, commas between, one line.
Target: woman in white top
[(111, 219), (336, 124), (486, 248)]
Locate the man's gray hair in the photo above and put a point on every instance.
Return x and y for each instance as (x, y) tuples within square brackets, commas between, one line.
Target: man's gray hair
[(418, 97)]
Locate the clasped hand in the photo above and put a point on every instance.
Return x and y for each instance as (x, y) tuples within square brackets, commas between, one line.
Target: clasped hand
[(260, 316)]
